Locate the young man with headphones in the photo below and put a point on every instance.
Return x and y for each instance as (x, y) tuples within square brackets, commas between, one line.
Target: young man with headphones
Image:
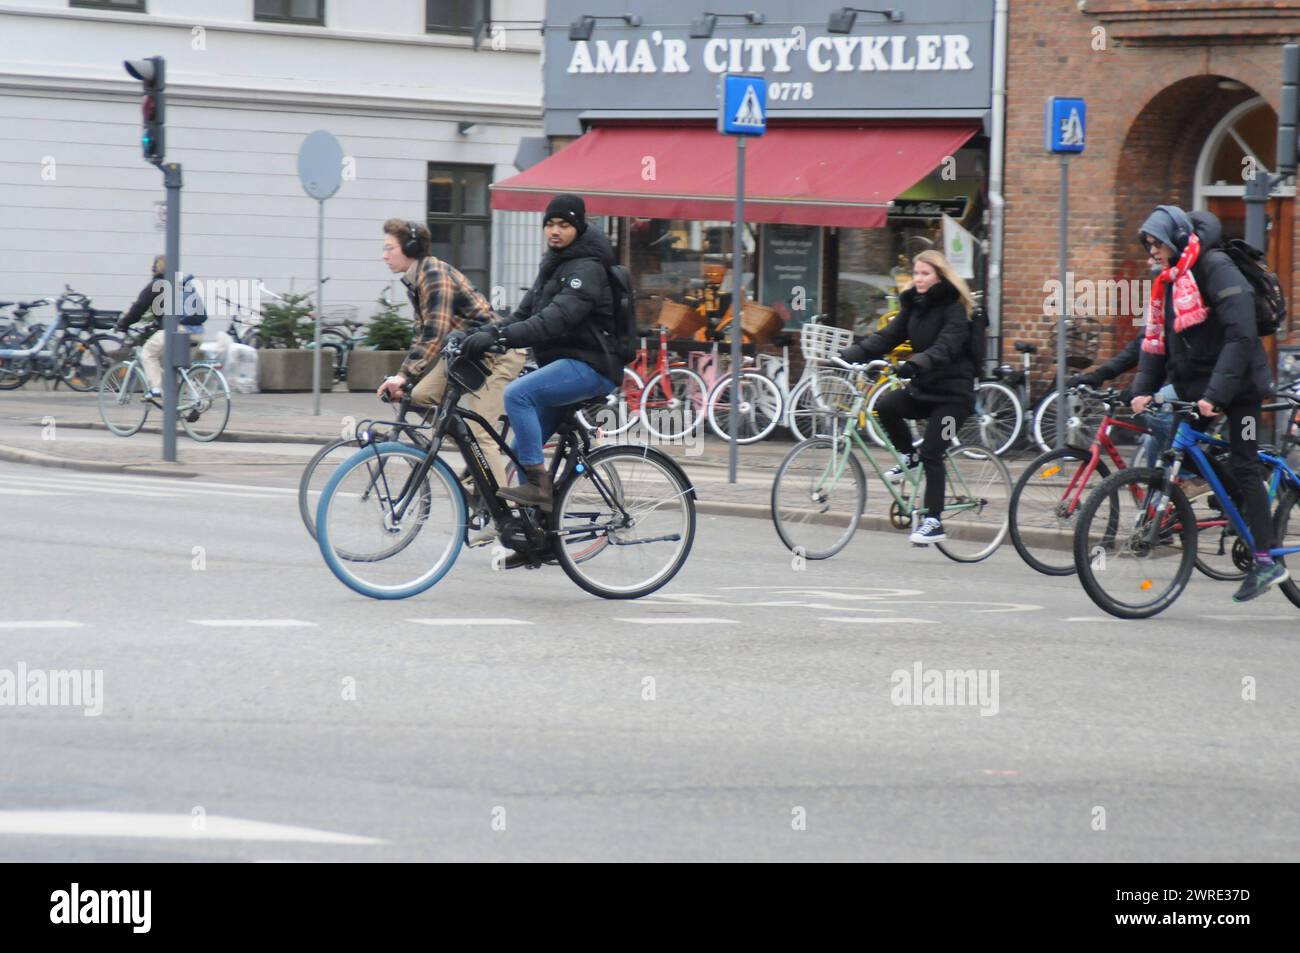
[(1202, 338), (444, 301)]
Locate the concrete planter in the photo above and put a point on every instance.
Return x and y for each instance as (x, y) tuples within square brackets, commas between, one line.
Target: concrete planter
[(285, 369), (367, 369)]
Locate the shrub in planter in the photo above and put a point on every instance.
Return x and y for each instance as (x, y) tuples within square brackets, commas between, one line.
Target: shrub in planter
[(287, 323), (390, 335), (284, 363)]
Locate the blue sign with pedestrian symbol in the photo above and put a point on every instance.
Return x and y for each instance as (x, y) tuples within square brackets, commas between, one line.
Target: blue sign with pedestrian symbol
[(743, 106), (1065, 124)]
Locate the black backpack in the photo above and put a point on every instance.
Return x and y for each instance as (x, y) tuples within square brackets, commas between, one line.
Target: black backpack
[(1270, 303), (624, 339)]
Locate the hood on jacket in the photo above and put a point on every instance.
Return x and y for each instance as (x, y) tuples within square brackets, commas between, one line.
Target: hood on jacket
[(1208, 228), (593, 243), (1166, 224), (940, 294)]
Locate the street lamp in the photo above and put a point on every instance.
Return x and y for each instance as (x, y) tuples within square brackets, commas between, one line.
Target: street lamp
[(580, 29), (841, 20), (703, 26)]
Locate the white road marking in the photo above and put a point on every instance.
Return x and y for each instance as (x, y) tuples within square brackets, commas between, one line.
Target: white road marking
[(142, 486), (470, 621), (1253, 618), (18, 492), (253, 623), (876, 620), (43, 624), (163, 826), (679, 620)]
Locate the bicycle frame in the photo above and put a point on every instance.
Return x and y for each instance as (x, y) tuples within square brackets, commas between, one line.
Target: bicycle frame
[(1100, 441)]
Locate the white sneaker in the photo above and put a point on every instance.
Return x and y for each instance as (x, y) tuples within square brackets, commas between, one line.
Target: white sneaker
[(930, 531), (896, 474)]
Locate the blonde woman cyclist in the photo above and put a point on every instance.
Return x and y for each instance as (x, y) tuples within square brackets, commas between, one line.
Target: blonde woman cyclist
[(934, 315)]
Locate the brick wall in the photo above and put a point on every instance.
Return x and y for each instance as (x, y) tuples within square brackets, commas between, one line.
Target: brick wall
[(1150, 72)]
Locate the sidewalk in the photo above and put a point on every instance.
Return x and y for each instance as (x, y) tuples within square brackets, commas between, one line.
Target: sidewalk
[(271, 436)]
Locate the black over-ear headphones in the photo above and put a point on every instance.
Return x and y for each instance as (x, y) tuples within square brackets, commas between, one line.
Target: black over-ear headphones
[(1182, 224), (411, 247)]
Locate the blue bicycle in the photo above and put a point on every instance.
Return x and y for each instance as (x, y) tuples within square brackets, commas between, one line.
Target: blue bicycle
[(1135, 543)]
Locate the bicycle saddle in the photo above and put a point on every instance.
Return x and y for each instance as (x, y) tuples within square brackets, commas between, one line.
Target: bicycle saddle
[(1025, 347)]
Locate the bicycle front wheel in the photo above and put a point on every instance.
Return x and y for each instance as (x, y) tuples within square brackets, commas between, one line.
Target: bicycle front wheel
[(382, 532), (81, 364), (1135, 544), (819, 406), (1044, 505), (317, 474), (640, 505), (203, 397), (818, 496), (756, 414), (997, 418), (121, 398), (1083, 417), (976, 503)]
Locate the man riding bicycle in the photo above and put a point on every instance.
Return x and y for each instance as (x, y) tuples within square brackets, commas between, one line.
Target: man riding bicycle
[(152, 303)]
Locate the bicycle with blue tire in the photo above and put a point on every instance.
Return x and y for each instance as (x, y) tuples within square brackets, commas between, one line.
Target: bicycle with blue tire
[(1135, 542), (392, 519)]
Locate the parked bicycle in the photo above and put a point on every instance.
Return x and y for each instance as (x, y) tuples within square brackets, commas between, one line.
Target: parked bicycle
[(820, 491), (392, 520), (1135, 542), (202, 394), (64, 351)]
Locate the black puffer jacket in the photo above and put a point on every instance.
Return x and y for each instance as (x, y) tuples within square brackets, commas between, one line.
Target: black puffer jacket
[(1222, 359), (939, 328), (569, 311)]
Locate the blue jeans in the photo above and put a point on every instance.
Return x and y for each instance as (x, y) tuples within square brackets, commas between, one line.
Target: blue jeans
[(1161, 426), (535, 402)]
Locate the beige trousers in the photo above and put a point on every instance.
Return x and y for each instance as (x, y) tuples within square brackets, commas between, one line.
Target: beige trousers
[(151, 353), (488, 401)]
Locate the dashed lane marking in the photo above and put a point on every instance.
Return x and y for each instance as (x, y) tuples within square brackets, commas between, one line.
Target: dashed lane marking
[(163, 826), (43, 624)]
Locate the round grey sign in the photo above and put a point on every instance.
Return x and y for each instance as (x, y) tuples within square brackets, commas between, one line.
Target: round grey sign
[(320, 164)]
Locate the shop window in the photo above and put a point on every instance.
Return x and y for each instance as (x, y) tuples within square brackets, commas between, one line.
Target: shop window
[(132, 6), (455, 16), (290, 11), (460, 219)]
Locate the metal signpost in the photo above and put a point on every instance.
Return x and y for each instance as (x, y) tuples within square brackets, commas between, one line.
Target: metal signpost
[(742, 112), (1065, 125), (320, 170)]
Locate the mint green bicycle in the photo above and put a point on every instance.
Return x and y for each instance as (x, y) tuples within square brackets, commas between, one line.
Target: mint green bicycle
[(820, 490)]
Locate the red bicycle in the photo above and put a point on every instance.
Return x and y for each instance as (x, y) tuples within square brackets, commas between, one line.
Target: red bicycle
[(1051, 490)]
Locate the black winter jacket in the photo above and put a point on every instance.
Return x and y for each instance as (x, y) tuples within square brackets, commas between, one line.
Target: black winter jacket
[(1122, 362), (939, 328), (1222, 359), (569, 311)]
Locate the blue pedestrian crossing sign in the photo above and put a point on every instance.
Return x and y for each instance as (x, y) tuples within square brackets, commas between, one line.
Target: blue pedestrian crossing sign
[(743, 106), (1065, 124)]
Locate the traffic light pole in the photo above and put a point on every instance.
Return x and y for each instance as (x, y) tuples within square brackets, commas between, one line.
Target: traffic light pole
[(172, 343)]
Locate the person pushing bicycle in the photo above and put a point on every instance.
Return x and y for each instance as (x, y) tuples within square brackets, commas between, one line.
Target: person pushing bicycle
[(1201, 335), (934, 315)]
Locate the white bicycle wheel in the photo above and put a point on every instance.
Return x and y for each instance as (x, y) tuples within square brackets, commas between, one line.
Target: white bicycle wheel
[(121, 398), (673, 403), (997, 419), (819, 406), (615, 413), (757, 413), (205, 397), (1083, 417)]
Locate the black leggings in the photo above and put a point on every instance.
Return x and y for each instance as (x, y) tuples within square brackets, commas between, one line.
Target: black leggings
[(1243, 478), (896, 408)]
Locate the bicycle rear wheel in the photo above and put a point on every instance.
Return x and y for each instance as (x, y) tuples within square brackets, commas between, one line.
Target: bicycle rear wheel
[(372, 550), (615, 413), (206, 398), (997, 419), (977, 498), (81, 364), (673, 403), (641, 505), (1220, 552), (1286, 534), (818, 496), (757, 413), (121, 398), (1083, 417), (1044, 506), (320, 468), (1135, 544)]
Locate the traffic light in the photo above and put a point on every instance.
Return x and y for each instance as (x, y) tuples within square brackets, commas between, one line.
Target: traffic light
[(152, 71)]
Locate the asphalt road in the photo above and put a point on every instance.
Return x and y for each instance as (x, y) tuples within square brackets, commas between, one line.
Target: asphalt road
[(255, 709)]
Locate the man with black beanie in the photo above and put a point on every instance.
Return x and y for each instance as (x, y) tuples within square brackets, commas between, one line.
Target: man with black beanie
[(567, 318)]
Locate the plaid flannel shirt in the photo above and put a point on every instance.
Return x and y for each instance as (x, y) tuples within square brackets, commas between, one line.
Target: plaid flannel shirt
[(444, 301)]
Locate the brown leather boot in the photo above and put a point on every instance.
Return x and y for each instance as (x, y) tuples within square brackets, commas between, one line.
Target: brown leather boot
[(536, 492)]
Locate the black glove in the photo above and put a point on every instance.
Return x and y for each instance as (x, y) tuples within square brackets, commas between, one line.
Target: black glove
[(907, 370), (122, 324), (853, 354), (1091, 379), (1125, 397), (477, 344)]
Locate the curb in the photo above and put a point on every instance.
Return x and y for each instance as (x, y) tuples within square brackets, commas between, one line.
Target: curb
[(36, 458), (231, 436)]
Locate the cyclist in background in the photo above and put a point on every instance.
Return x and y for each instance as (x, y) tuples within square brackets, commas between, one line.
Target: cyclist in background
[(935, 316), (151, 303)]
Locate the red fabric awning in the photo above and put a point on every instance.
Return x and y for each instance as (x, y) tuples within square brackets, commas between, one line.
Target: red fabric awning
[(799, 175)]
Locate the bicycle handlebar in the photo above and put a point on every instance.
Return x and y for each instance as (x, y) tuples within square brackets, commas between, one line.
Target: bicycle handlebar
[(867, 367)]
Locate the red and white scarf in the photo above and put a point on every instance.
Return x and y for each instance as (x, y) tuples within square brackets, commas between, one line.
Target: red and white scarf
[(1189, 309)]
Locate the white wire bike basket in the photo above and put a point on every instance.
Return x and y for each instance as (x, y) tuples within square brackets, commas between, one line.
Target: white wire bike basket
[(821, 342)]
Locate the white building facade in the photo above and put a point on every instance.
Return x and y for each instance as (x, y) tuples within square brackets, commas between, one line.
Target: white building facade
[(426, 124)]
